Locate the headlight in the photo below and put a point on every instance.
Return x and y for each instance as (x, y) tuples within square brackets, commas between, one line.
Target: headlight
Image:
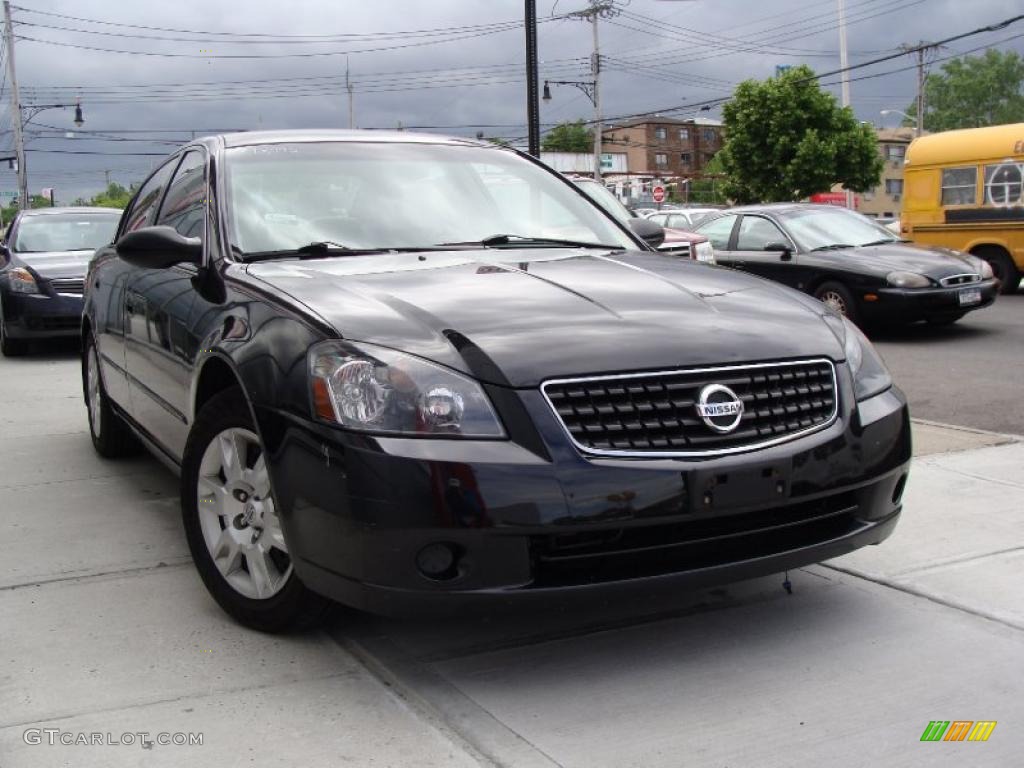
[(870, 376), (21, 281), (375, 389), (907, 280), (704, 252), (985, 269)]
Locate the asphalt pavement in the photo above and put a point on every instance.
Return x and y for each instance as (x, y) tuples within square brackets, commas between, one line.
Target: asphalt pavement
[(105, 629), (971, 373)]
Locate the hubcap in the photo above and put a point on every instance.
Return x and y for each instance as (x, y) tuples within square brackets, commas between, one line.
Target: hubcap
[(834, 301), (92, 382), (238, 517)]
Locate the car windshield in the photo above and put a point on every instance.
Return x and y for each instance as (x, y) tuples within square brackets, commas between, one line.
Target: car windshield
[(65, 232), (822, 228), (389, 195), (604, 197)]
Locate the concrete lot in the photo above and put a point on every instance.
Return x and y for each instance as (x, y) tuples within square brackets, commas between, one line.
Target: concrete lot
[(104, 627)]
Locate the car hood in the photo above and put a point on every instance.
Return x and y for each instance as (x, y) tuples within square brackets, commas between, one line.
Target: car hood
[(933, 261), (53, 264), (519, 317)]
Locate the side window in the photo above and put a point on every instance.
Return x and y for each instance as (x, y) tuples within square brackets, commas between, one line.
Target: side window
[(718, 231), (143, 212), (756, 233), (678, 221), (659, 219), (184, 206), (959, 186), (1004, 184)]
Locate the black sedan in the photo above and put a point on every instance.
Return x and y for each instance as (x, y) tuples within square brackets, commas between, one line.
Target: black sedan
[(407, 372), (858, 268), (43, 259)]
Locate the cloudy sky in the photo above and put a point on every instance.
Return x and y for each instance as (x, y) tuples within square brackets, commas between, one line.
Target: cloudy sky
[(150, 74)]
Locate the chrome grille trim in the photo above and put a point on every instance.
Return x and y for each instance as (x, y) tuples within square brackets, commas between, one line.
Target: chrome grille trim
[(69, 286), (966, 278), (664, 454)]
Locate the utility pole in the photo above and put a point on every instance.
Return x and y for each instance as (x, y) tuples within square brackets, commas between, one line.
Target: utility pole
[(351, 103), (19, 138), (920, 91), (532, 105), (845, 76), (595, 67), (106, 177)]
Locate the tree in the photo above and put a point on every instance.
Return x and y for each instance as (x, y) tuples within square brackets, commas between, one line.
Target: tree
[(10, 210), (569, 137), (114, 196), (709, 190), (787, 139), (974, 91)]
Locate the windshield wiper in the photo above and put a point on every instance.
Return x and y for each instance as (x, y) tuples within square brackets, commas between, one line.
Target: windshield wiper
[(315, 250), (880, 242), (833, 247), (497, 241)]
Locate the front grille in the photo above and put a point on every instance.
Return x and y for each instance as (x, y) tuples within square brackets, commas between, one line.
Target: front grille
[(70, 285), (653, 550), (964, 279), (655, 414), (682, 250)]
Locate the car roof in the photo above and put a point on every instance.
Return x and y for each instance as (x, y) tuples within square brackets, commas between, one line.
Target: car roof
[(782, 208), (249, 138), (71, 209)]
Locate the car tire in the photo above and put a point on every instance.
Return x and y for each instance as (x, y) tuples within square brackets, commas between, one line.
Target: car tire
[(232, 526), (838, 297), (1003, 267), (111, 437), (8, 346)]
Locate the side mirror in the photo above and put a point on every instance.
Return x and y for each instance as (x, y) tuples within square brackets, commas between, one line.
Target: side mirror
[(651, 233), (785, 254), (158, 248)]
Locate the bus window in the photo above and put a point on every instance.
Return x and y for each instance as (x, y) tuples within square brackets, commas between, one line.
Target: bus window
[(959, 186), (1003, 184)]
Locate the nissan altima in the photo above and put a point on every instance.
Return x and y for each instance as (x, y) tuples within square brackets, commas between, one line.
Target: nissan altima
[(42, 268), (408, 372)]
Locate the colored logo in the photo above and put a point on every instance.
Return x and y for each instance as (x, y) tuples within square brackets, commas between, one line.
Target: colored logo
[(958, 730)]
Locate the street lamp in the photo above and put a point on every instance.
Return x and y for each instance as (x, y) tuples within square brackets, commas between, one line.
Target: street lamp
[(25, 114), (886, 112)]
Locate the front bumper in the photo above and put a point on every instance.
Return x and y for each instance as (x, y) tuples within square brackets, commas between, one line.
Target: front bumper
[(924, 303), (532, 519), (42, 316)]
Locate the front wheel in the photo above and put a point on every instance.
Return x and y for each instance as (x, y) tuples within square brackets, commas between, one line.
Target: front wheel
[(1003, 268), (232, 524), (837, 297)]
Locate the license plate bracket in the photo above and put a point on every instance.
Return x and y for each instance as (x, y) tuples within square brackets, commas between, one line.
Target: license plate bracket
[(748, 486), (969, 296)]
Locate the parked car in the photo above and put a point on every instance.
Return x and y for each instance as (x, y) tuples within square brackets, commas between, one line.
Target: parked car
[(859, 269), (43, 258), (675, 242), (410, 372), (686, 219)]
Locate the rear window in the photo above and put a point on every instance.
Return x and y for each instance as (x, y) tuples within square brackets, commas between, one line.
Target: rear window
[(65, 232)]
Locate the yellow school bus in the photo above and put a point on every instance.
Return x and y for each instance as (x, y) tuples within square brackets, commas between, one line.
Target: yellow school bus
[(965, 190)]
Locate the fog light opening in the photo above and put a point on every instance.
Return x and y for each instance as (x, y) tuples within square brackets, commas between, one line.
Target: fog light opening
[(439, 561), (897, 492)]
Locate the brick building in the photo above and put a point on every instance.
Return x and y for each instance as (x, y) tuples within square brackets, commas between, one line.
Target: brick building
[(665, 147)]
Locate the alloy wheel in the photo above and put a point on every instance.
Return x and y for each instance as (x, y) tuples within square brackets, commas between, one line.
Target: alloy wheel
[(93, 391), (238, 516), (834, 301)]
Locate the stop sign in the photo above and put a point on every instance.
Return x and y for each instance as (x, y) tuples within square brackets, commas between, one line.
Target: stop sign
[(658, 193)]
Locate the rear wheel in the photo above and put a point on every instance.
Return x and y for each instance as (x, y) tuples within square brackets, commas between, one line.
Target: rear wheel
[(1002, 266), (837, 297), (111, 437), (232, 524), (8, 346)]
